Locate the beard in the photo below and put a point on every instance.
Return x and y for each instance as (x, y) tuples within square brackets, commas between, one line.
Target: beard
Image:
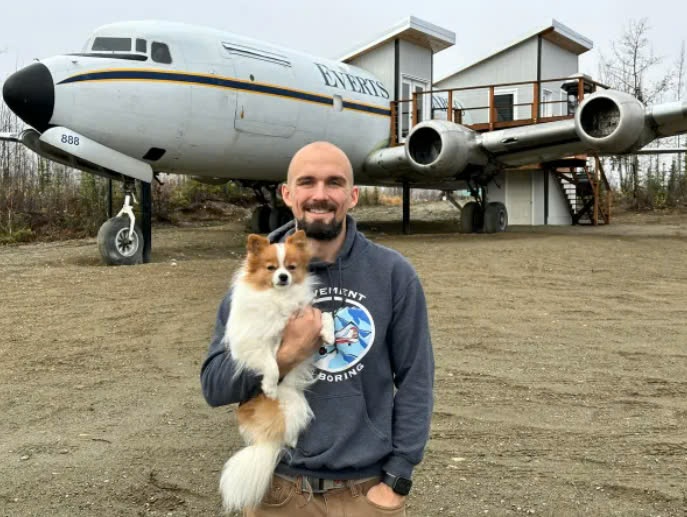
[(320, 230)]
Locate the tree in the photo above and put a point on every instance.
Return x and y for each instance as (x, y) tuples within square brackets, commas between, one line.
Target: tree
[(631, 68)]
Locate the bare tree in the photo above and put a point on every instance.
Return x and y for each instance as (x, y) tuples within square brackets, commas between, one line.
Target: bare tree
[(631, 68)]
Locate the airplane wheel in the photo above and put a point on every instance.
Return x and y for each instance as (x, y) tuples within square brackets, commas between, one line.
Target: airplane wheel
[(279, 217), (495, 218), (469, 217), (116, 246), (260, 220)]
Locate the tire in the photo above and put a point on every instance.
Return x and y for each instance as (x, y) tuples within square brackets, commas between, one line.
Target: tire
[(260, 220), (279, 217), (495, 218), (468, 214), (115, 246)]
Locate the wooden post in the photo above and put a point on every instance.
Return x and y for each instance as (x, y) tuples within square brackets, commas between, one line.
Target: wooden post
[(406, 207), (393, 129), (535, 103), (580, 89), (492, 109), (449, 109)]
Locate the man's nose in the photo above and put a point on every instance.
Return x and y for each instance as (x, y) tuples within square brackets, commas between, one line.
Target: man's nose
[(30, 94), (320, 191)]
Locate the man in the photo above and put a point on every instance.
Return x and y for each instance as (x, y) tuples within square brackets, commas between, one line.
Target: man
[(372, 398)]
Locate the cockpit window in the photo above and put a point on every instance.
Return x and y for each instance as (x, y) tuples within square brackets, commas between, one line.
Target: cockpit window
[(141, 45), (111, 44), (160, 53)]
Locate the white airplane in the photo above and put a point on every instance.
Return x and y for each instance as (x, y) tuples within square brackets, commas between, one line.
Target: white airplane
[(149, 97)]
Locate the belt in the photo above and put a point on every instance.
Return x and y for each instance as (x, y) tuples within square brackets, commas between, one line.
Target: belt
[(320, 485)]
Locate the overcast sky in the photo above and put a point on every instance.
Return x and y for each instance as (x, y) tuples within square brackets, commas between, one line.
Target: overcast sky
[(40, 28)]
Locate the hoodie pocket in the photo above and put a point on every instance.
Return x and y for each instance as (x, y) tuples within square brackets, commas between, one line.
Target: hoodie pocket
[(341, 435)]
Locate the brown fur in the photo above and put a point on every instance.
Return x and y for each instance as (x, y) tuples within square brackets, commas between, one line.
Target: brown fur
[(261, 255), (262, 419)]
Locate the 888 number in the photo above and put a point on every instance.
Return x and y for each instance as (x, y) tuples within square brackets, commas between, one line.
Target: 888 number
[(69, 139)]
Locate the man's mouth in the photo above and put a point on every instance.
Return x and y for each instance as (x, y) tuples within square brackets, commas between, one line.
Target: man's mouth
[(320, 209)]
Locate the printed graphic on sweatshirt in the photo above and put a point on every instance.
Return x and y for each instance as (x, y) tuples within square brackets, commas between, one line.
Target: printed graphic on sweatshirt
[(354, 335)]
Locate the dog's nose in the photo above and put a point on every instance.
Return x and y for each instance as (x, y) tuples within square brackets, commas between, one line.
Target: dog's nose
[(283, 277)]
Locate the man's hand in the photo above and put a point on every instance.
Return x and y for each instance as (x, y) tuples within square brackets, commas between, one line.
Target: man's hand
[(382, 495), (300, 339)]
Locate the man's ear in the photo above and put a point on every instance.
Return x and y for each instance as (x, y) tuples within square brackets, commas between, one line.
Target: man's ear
[(286, 194), (355, 195), (256, 243), (298, 239)]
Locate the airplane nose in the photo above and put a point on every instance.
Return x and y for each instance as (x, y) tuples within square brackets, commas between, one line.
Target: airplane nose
[(30, 94)]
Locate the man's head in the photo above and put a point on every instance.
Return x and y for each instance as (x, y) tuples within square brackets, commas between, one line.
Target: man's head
[(319, 190)]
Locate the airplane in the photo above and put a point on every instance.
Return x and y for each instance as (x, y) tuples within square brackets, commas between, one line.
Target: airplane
[(147, 97)]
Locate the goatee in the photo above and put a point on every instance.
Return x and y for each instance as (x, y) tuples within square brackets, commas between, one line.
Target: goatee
[(321, 231)]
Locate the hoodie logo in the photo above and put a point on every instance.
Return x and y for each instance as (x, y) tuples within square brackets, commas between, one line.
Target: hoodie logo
[(354, 335)]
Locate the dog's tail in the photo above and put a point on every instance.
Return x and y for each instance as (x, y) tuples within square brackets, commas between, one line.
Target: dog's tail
[(247, 475)]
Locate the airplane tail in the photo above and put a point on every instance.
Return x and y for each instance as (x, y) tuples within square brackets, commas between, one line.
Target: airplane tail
[(247, 475)]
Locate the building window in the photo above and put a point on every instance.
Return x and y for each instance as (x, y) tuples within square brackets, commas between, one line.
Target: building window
[(546, 103), (503, 103)]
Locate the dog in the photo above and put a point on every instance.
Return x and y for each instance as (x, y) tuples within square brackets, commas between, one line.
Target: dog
[(272, 285)]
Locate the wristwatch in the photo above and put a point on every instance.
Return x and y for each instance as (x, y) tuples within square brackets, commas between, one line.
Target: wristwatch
[(398, 484)]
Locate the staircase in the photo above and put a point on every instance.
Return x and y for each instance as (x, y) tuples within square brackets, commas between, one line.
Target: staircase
[(585, 188)]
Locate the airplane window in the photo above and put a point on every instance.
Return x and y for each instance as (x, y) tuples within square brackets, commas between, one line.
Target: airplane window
[(160, 53), (141, 45), (112, 44)]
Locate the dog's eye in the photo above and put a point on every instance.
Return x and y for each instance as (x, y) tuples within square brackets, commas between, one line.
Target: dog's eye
[(271, 268), (291, 267)]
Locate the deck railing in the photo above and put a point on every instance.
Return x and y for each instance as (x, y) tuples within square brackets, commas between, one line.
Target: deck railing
[(406, 113)]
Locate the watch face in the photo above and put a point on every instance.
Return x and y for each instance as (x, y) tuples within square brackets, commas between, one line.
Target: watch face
[(402, 486)]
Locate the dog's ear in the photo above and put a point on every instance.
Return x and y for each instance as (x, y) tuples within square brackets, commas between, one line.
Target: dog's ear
[(298, 239), (256, 243)]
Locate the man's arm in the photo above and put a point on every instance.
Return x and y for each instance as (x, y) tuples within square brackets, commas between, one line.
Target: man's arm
[(412, 361), (218, 377)]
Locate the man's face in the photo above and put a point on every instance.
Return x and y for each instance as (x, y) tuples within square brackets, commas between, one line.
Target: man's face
[(320, 193)]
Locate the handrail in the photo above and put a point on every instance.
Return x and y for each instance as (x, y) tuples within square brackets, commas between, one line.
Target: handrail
[(454, 114)]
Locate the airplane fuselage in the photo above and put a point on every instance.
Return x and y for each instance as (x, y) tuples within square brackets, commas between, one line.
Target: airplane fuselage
[(211, 100)]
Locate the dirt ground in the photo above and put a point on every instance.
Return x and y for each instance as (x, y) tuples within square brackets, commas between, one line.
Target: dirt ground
[(561, 379)]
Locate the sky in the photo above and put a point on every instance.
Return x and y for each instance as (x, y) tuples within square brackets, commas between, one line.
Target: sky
[(42, 28)]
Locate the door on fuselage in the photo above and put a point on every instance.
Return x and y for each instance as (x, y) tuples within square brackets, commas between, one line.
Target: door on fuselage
[(267, 100)]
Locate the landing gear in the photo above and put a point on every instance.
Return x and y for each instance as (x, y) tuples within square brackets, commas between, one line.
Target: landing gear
[(482, 216), (120, 239), (269, 214)]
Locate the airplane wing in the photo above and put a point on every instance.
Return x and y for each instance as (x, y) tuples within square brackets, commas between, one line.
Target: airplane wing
[(9, 137), (607, 122)]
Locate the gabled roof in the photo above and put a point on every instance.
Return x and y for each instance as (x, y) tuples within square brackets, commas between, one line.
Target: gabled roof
[(411, 29), (555, 32)]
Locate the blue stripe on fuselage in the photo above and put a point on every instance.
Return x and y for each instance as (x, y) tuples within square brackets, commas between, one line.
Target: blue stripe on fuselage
[(148, 75)]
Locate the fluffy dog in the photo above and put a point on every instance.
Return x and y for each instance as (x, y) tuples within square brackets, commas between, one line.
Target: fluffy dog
[(272, 285)]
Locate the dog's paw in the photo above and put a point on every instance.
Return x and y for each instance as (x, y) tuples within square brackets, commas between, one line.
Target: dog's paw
[(327, 332), (270, 389)]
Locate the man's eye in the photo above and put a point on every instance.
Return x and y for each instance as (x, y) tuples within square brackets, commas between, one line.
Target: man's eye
[(271, 268)]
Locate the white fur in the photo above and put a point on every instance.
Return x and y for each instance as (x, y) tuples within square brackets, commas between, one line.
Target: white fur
[(253, 335), (245, 480)]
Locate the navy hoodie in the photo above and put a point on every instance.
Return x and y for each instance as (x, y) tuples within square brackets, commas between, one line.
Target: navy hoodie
[(372, 399)]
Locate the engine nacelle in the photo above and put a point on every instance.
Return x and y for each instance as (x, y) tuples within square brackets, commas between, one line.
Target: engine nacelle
[(441, 149), (612, 122)]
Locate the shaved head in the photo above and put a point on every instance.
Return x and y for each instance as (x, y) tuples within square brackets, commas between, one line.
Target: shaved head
[(319, 153), (319, 190)]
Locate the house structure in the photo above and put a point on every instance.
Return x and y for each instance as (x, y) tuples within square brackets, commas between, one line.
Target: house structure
[(526, 81)]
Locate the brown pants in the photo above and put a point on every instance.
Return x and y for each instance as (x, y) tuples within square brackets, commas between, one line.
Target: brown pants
[(286, 498)]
